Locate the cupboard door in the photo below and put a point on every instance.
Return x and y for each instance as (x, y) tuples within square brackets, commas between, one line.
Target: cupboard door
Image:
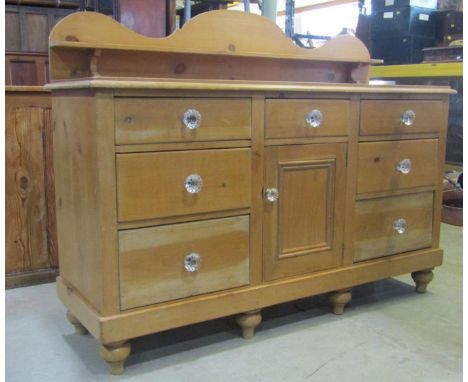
[(303, 227)]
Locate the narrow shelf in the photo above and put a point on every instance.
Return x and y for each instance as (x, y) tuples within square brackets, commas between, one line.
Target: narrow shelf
[(28, 88), (445, 69)]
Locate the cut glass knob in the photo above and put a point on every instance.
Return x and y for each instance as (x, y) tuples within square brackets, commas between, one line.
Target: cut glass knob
[(192, 119), (408, 117), (192, 262), (404, 166), (399, 226), (193, 183), (271, 194), (314, 118)]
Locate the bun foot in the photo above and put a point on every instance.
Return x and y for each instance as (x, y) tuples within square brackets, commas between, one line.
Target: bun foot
[(248, 322), (115, 355), (339, 299), (79, 328), (422, 278)]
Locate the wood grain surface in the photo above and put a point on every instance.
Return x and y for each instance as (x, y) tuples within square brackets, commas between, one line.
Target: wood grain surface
[(25, 191), (152, 185), (135, 84), (150, 120), (31, 238), (159, 317), (374, 235), (377, 165), (303, 230), (90, 29), (151, 260), (50, 187), (127, 222), (384, 117), (287, 118), (86, 196), (213, 45)]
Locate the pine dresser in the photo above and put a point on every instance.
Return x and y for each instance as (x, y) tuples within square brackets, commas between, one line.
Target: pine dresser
[(224, 169)]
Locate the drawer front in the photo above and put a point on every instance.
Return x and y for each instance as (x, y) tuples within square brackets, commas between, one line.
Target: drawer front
[(170, 262), (153, 120), (391, 117), (155, 185), (306, 118), (387, 226), (395, 165)]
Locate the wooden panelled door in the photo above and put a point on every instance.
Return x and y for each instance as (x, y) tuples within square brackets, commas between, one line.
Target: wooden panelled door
[(303, 227)]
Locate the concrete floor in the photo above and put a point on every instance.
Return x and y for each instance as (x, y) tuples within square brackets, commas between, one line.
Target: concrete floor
[(388, 333)]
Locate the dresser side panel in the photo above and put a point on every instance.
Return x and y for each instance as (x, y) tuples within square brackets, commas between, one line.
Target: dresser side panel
[(440, 173), (83, 230)]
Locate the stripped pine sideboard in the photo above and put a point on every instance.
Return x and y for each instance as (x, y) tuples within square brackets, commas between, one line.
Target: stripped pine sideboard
[(223, 169)]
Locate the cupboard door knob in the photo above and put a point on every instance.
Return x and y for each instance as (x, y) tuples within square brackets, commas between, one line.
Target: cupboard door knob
[(399, 226), (192, 119), (408, 117), (314, 118), (404, 166), (271, 194), (192, 262), (193, 183)]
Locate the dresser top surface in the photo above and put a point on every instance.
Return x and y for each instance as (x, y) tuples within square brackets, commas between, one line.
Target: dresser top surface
[(255, 86), (25, 89)]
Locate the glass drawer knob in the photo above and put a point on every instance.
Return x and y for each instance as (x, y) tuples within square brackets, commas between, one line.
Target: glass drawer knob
[(408, 117), (192, 262), (192, 119), (193, 183), (314, 118), (404, 166), (271, 194), (399, 226)]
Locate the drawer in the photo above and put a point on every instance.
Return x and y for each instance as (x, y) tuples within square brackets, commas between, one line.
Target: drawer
[(395, 165), (395, 117), (150, 120), (155, 185), (285, 118), (175, 261), (387, 226)]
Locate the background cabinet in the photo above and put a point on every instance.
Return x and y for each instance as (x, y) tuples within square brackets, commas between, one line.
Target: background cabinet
[(31, 236), (26, 69), (27, 28)]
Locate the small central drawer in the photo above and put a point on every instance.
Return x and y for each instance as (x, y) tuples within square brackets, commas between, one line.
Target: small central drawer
[(175, 261), (295, 118), (141, 120), (399, 117), (163, 184), (387, 226), (395, 165)]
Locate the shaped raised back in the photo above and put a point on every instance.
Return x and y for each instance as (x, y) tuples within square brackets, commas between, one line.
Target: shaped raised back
[(220, 45)]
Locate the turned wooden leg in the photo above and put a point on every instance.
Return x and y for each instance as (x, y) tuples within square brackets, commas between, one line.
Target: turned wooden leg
[(422, 278), (115, 355), (339, 300), (79, 328), (248, 322)]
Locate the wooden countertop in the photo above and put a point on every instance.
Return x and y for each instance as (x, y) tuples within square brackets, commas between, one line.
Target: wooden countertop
[(142, 83), (28, 89)]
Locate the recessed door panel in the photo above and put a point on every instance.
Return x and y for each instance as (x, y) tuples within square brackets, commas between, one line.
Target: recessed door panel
[(304, 225)]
